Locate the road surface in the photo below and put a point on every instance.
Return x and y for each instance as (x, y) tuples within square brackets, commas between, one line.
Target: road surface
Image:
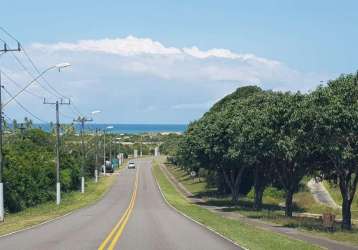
[(133, 215)]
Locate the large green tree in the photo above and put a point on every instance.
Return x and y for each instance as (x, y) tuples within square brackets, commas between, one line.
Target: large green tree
[(336, 129)]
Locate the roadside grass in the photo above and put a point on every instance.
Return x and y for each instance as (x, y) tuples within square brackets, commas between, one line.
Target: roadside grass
[(196, 186), (272, 210), (247, 236), (272, 198), (49, 210), (337, 197)]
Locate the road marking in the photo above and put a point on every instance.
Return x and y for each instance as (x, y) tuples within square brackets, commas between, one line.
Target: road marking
[(119, 227)]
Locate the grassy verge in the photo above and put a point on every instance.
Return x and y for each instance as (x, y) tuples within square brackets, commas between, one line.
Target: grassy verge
[(337, 197), (272, 212), (49, 210), (242, 233)]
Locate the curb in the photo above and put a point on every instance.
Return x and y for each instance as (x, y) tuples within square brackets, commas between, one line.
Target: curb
[(193, 220)]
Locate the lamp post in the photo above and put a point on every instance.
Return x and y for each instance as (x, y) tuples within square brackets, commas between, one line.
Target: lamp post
[(58, 195), (58, 66), (96, 149), (104, 149)]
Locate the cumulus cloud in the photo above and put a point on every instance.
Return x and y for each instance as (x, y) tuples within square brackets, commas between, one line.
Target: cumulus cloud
[(128, 46), (142, 80), (146, 56)]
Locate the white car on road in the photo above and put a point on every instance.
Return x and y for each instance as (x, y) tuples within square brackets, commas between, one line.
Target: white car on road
[(131, 164)]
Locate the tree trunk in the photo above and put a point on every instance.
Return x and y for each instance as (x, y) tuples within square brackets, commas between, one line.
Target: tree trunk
[(235, 195), (233, 181), (346, 215), (289, 203), (259, 187), (259, 191)]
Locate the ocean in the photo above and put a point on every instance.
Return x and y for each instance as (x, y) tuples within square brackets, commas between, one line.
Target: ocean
[(129, 128)]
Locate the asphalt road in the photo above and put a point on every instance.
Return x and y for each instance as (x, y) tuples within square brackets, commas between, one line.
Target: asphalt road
[(133, 215)]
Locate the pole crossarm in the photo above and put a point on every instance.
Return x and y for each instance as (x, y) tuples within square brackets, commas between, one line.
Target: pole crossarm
[(7, 49)]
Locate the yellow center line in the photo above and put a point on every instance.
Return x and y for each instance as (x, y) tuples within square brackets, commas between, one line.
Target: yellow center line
[(123, 220)]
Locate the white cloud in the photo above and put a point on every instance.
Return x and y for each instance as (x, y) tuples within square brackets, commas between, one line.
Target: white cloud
[(145, 56), (141, 80), (128, 46)]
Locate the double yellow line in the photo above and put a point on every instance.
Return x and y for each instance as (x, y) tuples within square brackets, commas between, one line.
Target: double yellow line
[(117, 231)]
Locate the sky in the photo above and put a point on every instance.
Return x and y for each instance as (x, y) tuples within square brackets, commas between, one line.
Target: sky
[(169, 61)]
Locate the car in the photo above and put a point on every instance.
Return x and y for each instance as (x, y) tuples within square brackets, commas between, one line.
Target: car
[(109, 167), (131, 164)]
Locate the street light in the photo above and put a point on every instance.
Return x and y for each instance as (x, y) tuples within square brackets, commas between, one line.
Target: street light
[(96, 112), (58, 190), (104, 149), (58, 66), (96, 148)]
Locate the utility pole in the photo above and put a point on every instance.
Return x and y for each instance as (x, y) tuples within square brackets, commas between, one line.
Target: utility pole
[(1, 158), (5, 49), (141, 147), (104, 152), (110, 149), (22, 129), (58, 185), (96, 161), (82, 121)]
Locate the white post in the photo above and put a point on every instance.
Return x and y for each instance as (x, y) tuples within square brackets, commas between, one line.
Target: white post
[(1, 201), (58, 193), (82, 184), (96, 175), (156, 151)]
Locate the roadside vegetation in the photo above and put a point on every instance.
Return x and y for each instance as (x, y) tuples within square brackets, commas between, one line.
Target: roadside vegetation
[(272, 210), (49, 210), (245, 235), (29, 172), (253, 140)]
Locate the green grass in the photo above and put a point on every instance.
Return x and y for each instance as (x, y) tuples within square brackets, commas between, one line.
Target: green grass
[(49, 210), (195, 186), (245, 235), (337, 197), (272, 211)]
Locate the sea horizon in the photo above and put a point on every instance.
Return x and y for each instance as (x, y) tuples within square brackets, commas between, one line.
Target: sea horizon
[(126, 128)]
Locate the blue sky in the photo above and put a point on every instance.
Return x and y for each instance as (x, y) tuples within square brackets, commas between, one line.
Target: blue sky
[(153, 61)]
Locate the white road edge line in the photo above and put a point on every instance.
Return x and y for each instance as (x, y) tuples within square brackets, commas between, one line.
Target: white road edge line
[(189, 218), (56, 218), (37, 225)]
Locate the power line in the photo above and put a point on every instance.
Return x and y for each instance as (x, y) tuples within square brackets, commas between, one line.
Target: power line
[(8, 33), (31, 75), (42, 77), (33, 65), (64, 114), (9, 118), (75, 109), (57, 93), (20, 86), (24, 108)]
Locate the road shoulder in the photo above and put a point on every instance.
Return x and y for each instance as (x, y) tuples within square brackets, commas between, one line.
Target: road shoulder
[(246, 236)]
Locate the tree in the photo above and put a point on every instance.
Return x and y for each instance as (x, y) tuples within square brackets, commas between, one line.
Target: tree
[(289, 117), (215, 142), (14, 124), (28, 123), (258, 142), (336, 129)]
